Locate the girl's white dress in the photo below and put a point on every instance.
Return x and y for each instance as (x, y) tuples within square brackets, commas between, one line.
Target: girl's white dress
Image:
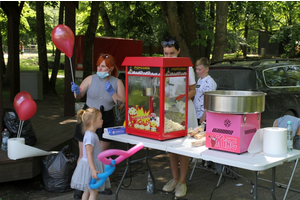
[(82, 175)]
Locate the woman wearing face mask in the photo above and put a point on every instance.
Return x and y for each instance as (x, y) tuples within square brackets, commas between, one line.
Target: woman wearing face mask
[(103, 91), (175, 88)]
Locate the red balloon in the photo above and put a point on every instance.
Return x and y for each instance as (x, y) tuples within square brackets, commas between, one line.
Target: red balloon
[(26, 109), (63, 38), (19, 98)]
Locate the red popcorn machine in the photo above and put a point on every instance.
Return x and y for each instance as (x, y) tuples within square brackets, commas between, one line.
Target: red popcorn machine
[(156, 96)]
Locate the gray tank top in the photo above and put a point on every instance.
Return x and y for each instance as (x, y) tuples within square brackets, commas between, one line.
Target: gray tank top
[(97, 95)]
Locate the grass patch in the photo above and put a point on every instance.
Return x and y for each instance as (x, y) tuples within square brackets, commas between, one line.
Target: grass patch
[(29, 62)]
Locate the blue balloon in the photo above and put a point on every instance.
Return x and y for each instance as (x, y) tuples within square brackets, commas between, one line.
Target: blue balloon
[(108, 170)]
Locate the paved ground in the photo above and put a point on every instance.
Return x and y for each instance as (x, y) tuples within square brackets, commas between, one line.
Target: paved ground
[(202, 186)]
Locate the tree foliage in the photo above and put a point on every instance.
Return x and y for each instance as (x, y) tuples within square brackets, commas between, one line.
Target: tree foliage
[(150, 21)]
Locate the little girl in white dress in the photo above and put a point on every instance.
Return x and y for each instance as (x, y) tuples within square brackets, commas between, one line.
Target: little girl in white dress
[(89, 166)]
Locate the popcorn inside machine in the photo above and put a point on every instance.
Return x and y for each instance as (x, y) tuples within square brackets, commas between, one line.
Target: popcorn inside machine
[(156, 96)]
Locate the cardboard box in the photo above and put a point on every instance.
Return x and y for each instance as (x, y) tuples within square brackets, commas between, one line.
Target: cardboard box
[(116, 130)]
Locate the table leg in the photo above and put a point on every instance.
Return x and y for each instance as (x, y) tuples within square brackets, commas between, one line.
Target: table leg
[(255, 185), (273, 182), (124, 174), (149, 169), (289, 184), (195, 165), (223, 168), (128, 166)]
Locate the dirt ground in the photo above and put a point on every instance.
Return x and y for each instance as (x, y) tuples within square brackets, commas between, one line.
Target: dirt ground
[(33, 189)]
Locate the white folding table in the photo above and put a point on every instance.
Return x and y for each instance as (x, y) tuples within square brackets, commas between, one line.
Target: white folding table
[(253, 162), (182, 146)]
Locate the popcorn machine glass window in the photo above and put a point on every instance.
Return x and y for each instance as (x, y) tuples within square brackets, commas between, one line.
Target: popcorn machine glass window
[(156, 97)]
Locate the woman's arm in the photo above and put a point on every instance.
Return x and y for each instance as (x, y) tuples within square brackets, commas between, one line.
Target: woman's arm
[(80, 151), (89, 153), (119, 96), (84, 86)]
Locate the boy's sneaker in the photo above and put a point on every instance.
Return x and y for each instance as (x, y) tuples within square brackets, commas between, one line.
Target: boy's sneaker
[(170, 186), (180, 190)]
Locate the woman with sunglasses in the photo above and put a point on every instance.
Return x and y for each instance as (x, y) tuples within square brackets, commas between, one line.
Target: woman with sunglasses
[(171, 49), (103, 91)]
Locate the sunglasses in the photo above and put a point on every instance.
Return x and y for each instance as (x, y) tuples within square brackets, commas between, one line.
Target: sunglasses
[(104, 55), (170, 43)]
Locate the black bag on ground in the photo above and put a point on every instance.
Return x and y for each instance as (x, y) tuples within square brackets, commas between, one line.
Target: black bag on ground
[(57, 170), (12, 122)]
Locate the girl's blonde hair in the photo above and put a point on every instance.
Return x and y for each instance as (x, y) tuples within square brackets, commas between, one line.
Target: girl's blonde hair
[(203, 61), (87, 117)]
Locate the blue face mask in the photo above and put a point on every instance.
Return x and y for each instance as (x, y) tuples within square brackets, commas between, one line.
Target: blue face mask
[(103, 74)]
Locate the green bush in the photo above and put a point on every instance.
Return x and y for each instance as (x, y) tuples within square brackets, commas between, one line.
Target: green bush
[(238, 53)]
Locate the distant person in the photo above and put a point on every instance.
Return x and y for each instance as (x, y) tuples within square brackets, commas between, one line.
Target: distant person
[(89, 166), (21, 47), (171, 49), (104, 90), (205, 83), (282, 122)]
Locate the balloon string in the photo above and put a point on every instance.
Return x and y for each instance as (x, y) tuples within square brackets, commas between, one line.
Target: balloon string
[(71, 70), (20, 128), (22, 123), (72, 75)]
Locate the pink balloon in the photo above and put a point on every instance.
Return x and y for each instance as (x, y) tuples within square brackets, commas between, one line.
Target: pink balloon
[(19, 98), (26, 109), (63, 38), (102, 157)]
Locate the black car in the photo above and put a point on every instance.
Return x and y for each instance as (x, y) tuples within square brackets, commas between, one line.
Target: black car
[(278, 78)]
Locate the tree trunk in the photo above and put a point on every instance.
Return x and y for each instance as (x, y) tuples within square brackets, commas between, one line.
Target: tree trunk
[(56, 64), (69, 100), (41, 40), (221, 30), (12, 78), (176, 15), (109, 29), (2, 68), (245, 46), (201, 27), (2, 63), (89, 39), (12, 10), (190, 27), (210, 28)]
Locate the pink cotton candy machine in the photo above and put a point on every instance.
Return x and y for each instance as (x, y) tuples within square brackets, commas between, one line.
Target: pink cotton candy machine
[(232, 118)]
